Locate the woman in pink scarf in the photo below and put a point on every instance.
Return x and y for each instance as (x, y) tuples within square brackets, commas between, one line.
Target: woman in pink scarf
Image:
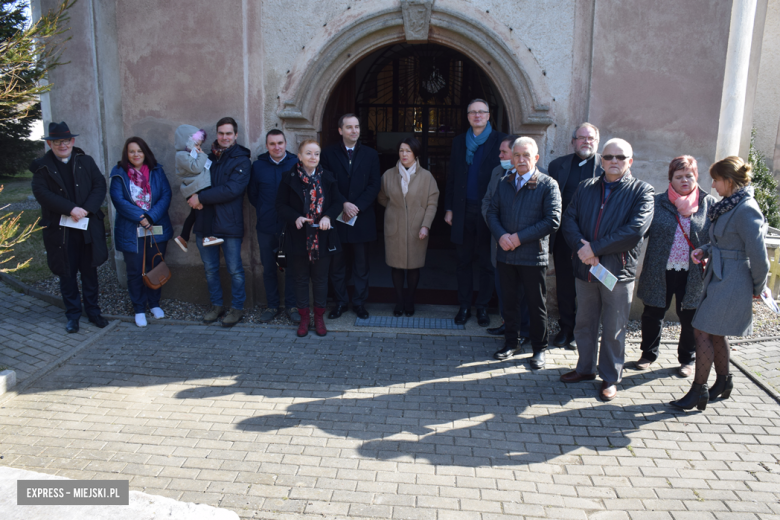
[(680, 224)]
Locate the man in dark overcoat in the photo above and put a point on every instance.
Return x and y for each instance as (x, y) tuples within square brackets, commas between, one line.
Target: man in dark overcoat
[(474, 156), (568, 171), (67, 183), (356, 168)]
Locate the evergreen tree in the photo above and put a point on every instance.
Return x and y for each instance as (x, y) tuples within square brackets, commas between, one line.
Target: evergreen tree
[(27, 52), (765, 184)]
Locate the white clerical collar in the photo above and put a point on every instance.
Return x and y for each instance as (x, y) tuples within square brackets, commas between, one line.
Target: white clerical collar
[(582, 163), (65, 160)]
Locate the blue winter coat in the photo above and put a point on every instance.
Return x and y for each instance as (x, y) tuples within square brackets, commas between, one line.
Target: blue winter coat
[(229, 177), (128, 215), (263, 185)]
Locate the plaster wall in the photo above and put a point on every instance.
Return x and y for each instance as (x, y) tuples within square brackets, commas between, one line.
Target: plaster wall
[(656, 85), (766, 113)]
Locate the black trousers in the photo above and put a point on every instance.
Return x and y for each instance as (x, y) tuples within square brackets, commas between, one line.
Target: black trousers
[(564, 283), (317, 272), (352, 260), (533, 282), (653, 320), (208, 218), (476, 242), (79, 261)]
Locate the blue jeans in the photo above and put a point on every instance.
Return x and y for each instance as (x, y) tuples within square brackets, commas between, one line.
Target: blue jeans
[(269, 244), (140, 294), (231, 249), (525, 316)]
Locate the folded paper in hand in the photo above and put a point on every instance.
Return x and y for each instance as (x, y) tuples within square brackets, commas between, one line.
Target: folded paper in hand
[(67, 221), (156, 230), (350, 222), (604, 276), (770, 302)]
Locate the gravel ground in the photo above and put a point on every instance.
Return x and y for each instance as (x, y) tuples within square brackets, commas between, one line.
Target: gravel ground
[(19, 206), (115, 300)]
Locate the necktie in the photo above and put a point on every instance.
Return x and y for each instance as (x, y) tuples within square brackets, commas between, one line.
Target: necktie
[(349, 154)]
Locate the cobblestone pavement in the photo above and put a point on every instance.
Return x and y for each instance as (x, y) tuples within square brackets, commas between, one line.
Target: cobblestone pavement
[(33, 333), (389, 425), (762, 359)]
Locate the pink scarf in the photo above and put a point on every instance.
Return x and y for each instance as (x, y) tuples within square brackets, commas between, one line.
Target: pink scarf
[(140, 190), (686, 205)]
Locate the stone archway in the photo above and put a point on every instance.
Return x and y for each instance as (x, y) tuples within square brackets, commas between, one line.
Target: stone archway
[(343, 42)]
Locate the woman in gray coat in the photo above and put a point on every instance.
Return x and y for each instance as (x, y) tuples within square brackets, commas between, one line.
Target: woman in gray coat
[(680, 224), (736, 271)]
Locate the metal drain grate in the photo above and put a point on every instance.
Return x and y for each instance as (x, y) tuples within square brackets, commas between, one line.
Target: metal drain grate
[(408, 323)]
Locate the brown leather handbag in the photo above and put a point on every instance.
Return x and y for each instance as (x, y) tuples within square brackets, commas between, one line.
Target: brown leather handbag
[(159, 274)]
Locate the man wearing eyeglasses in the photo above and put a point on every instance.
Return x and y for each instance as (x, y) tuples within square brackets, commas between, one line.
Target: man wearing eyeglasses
[(605, 223), (568, 171), (474, 156), (69, 185)]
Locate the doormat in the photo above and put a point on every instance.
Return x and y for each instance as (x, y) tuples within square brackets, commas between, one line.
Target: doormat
[(408, 323)]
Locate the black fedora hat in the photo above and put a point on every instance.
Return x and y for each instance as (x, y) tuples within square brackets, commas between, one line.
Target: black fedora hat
[(58, 131)]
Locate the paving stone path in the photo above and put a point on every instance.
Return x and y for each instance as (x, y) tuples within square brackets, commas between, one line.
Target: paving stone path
[(33, 333), (372, 425), (762, 359)]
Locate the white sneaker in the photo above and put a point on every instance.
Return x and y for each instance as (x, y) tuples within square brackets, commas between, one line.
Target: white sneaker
[(158, 313), (212, 241), (181, 243), (140, 319)]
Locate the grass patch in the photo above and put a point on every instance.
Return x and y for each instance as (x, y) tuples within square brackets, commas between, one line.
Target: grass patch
[(16, 189)]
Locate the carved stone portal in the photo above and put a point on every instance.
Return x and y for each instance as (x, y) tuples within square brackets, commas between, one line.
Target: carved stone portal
[(417, 19)]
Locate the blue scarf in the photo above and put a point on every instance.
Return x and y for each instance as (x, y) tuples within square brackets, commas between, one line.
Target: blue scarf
[(474, 142)]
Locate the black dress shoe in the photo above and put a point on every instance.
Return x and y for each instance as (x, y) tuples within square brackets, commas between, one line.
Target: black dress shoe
[(537, 362), (72, 326), (497, 331), (463, 316), (361, 312), (409, 310), (99, 321), (337, 311), (565, 338), (482, 317), (398, 310), (507, 352)]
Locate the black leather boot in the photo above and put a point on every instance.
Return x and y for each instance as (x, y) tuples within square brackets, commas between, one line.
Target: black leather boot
[(697, 396), (722, 387)]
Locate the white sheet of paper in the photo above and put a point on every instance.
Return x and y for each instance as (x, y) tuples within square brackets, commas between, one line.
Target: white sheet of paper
[(67, 221), (156, 230), (208, 164), (770, 302), (194, 153), (604, 276), (350, 222)]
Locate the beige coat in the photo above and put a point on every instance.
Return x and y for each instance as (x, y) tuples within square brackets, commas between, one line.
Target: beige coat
[(405, 216)]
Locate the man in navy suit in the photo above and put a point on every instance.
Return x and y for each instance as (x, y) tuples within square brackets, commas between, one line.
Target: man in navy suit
[(474, 156), (356, 168)]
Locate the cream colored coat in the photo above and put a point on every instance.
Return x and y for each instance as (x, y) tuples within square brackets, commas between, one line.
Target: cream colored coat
[(405, 216)]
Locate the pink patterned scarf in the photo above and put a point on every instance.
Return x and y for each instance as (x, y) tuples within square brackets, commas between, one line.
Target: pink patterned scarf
[(140, 189), (686, 205)]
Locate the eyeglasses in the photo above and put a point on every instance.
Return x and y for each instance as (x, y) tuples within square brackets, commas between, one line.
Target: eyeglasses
[(477, 112), (618, 157), (60, 142), (587, 138)]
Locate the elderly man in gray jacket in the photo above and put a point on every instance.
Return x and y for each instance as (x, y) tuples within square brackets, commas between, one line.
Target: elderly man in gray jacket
[(524, 211)]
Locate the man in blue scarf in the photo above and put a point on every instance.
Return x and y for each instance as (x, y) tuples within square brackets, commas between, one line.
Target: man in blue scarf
[(474, 156)]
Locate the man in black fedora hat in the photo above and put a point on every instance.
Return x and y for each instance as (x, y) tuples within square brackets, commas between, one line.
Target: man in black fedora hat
[(69, 185)]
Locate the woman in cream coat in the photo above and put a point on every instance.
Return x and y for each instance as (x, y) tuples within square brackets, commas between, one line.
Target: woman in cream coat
[(411, 196)]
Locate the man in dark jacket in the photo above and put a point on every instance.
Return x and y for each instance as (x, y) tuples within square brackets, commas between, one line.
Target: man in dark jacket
[(474, 156), (267, 173), (605, 224), (230, 166), (67, 183), (525, 209), (568, 171), (356, 168)]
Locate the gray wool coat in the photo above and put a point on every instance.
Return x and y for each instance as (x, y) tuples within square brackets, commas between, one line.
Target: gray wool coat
[(652, 281), (191, 171), (736, 270)]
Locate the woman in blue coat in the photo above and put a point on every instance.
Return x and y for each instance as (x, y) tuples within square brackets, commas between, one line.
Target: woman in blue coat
[(141, 195)]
